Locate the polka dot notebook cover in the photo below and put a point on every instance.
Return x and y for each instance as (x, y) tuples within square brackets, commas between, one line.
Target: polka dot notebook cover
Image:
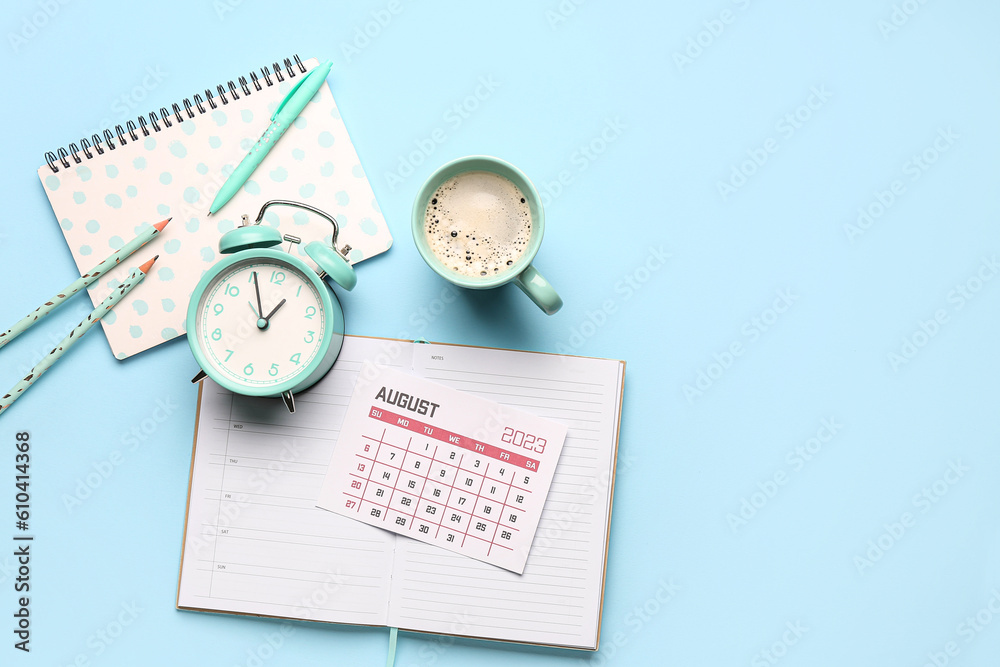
[(173, 163)]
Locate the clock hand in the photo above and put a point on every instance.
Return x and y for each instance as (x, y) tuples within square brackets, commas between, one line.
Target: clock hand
[(268, 318), (261, 321), (254, 310), (256, 287)]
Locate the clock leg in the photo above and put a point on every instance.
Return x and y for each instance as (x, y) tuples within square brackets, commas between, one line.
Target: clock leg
[(289, 400), (199, 377)]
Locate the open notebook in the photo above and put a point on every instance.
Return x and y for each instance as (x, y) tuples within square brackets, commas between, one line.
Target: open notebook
[(254, 542)]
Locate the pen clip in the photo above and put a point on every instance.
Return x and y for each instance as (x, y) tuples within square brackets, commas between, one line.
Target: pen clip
[(292, 92)]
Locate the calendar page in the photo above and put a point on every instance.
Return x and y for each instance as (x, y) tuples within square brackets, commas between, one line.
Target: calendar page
[(444, 467)]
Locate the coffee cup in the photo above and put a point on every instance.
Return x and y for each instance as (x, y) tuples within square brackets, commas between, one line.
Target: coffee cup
[(478, 223)]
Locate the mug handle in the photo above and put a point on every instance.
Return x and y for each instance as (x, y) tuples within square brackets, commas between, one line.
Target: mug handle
[(539, 290)]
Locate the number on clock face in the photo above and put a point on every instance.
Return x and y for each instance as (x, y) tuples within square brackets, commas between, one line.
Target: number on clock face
[(231, 338)]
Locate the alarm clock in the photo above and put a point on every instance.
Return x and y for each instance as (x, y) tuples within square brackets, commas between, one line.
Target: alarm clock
[(262, 322)]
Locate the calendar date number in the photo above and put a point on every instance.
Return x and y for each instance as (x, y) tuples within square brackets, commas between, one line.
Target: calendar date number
[(521, 439)]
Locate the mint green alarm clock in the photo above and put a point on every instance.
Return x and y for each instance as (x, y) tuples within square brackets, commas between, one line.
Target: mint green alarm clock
[(262, 322)]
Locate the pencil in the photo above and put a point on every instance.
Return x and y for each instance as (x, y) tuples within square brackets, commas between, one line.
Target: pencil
[(83, 282), (102, 309)]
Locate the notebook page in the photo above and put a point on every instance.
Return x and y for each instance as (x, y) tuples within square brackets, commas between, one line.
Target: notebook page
[(176, 171), (254, 541), (558, 598)]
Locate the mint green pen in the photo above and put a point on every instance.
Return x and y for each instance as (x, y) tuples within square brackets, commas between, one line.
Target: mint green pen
[(289, 109)]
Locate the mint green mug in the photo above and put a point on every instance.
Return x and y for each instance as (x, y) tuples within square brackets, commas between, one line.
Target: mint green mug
[(521, 272)]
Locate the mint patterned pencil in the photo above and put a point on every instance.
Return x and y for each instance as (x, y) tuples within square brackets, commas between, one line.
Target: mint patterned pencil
[(83, 281), (102, 309)]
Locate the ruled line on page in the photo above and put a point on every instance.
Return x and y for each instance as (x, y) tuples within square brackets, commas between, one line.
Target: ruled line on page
[(255, 542), (567, 570), (484, 628), (274, 604)]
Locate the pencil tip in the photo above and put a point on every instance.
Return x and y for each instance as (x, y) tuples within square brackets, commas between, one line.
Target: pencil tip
[(145, 267), (163, 223)]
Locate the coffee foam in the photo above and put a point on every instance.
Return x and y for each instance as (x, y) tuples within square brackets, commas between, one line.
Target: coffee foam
[(478, 224)]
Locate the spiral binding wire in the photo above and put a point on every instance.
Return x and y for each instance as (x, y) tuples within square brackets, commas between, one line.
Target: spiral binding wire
[(160, 120)]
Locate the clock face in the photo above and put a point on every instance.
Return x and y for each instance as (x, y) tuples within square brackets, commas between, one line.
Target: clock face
[(266, 345)]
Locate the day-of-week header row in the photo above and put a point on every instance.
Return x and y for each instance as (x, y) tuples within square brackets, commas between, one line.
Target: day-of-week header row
[(455, 439)]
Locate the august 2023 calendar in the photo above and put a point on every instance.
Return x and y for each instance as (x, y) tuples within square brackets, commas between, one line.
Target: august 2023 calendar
[(448, 468)]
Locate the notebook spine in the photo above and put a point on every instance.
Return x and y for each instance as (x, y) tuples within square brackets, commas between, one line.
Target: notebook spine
[(87, 149)]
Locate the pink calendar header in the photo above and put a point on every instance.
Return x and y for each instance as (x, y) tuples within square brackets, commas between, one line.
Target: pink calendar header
[(453, 438)]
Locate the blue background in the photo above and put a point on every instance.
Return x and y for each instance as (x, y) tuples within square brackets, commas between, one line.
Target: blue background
[(688, 460)]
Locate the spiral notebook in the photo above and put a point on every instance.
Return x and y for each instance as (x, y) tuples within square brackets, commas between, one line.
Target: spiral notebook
[(256, 543), (170, 163)]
